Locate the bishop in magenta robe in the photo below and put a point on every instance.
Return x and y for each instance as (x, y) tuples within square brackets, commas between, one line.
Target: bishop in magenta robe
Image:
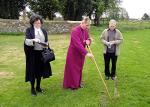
[(75, 58)]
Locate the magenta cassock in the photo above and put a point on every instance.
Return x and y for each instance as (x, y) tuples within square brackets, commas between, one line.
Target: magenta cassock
[(75, 58)]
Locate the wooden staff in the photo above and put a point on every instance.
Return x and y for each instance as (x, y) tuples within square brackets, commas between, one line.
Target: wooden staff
[(100, 73)]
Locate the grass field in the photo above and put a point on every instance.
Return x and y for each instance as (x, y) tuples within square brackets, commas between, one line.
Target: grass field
[(132, 71)]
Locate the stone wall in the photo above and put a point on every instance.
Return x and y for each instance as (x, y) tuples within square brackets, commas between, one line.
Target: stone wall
[(53, 27)]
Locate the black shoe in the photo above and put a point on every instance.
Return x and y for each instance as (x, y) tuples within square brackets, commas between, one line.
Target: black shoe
[(38, 89), (33, 93), (73, 88)]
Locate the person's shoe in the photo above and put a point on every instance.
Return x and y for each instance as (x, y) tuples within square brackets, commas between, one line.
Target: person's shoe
[(33, 93), (38, 89), (106, 77), (81, 86), (113, 78), (73, 88)]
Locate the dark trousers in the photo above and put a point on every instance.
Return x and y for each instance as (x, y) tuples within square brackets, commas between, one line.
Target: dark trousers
[(107, 58)]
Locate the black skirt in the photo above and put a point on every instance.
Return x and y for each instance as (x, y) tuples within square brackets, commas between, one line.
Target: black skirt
[(35, 68), (39, 65)]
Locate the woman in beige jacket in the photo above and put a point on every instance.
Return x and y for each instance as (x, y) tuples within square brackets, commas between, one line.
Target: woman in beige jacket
[(111, 38)]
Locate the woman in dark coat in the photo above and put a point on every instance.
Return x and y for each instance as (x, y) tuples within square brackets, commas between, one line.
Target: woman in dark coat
[(35, 68)]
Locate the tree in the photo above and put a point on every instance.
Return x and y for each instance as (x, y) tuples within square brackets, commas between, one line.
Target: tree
[(114, 9), (99, 7), (75, 9), (10, 9), (123, 14), (110, 7), (45, 8), (146, 17)]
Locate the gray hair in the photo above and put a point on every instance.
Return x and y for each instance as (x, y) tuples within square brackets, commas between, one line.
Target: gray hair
[(113, 21)]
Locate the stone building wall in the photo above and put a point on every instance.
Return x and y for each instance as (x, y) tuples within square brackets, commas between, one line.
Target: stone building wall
[(53, 27)]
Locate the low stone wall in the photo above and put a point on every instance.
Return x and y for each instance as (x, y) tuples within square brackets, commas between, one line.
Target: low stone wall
[(53, 27)]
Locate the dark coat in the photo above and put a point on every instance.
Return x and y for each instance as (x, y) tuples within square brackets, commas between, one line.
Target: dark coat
[(30, 57)]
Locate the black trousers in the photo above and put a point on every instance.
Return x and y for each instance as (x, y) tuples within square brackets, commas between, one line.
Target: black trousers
[(107, 58)]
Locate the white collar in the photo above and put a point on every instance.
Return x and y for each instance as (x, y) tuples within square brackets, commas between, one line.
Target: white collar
[(37, 29)]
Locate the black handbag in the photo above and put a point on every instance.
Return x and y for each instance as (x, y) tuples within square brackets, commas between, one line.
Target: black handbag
[(48, 55)]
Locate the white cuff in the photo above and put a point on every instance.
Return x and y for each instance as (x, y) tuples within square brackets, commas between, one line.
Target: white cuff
[(29, 42)]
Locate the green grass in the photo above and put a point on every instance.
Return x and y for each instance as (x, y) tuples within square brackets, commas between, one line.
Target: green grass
[(132, 70), (133, 25)]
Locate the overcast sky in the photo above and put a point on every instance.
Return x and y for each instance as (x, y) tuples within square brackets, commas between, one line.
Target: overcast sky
[(136, 8)]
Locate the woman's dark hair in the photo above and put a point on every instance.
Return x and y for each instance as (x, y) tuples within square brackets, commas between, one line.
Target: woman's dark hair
[(34, 18)]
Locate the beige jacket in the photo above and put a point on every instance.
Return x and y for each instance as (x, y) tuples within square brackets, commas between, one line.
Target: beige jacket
[(118, 40)]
